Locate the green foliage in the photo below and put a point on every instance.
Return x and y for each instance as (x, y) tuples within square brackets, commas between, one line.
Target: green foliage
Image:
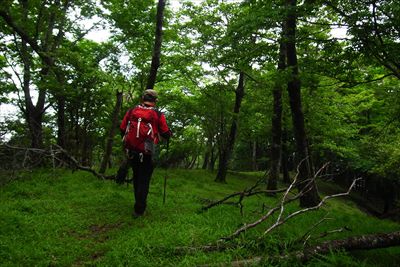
[(62, 218)]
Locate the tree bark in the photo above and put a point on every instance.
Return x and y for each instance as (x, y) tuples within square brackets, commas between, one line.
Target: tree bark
[(254, 156), (225, 154), (213, 158), (155, 61), (352, 243), (276, 131), (207, 154), (206, 159), (111, 133), (306, 172), (285, 158), (61, 135)]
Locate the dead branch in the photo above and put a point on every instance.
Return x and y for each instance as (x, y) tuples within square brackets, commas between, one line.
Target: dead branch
[(296, 213), (245, 193), (279, 221), (306, 236), (252, 191), (267, 215)]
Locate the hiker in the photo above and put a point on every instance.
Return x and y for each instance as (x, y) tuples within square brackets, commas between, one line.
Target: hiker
[(141, 129)]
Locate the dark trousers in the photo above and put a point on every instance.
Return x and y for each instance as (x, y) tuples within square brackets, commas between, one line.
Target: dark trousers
[(142, 166)]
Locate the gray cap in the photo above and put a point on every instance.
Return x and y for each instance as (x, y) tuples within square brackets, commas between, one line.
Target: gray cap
[(150, 92)]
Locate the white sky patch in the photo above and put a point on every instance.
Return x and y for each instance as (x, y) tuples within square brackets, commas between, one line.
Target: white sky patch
[(339, 32), (7, 111), (99, 36)]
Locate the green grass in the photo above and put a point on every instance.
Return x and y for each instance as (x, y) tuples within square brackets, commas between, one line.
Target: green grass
[(60, 218)]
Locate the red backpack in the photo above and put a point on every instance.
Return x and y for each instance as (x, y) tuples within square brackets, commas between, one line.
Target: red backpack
[(140, 135)]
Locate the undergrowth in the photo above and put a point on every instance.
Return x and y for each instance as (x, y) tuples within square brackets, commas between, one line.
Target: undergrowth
[(60, 218)]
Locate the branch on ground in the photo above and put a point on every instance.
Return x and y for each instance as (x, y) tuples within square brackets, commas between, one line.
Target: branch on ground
[(252, 191)]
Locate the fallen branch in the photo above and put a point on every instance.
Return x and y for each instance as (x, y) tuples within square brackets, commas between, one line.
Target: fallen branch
[(252, 191), (266, 216), (296, 213), (245, 193)]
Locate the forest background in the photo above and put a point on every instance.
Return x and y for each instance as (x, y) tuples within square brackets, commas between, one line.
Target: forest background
[(245, 85)]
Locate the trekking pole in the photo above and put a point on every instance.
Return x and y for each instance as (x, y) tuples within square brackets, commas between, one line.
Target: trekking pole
[(166, 174)]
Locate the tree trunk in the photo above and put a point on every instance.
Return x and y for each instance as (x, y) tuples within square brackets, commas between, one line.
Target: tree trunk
[(276, 130), (285, 158), (213, 158), (311, 198), (254, 156), (111, 133), (86, 148), (155, 61), (225, 154), (207, 154), (206, 159), (61, 135)]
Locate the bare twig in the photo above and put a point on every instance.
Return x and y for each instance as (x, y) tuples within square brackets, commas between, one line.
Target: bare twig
[(307, 234), (294, 214), (266, 216)]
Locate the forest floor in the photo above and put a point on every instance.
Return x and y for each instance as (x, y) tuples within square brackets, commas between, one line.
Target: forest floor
[(60, 218)]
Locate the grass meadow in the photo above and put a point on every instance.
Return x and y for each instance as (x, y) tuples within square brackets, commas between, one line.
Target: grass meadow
[(64, 218)]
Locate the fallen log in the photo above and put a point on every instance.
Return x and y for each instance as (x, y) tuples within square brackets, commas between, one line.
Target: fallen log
[(363, 242)]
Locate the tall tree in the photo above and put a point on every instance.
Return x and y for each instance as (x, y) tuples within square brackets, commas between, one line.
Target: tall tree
[(306, 172), (225, 153), (276, 129), (33, 32)]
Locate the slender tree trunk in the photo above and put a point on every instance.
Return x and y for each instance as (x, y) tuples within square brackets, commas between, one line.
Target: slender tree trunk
[(285, 158), (192, 163), (225, 154), (311, 198), (207, 153), (254, 156), (87, 150), (276, 130), (206, 159), (111, 133), (61, 133), (155, 61), (213, 158)]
